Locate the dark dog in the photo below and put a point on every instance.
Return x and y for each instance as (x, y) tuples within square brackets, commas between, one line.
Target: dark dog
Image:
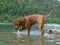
[(28, 21)]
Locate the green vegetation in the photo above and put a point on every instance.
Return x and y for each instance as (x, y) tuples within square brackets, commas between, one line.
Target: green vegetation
[(11, 9)]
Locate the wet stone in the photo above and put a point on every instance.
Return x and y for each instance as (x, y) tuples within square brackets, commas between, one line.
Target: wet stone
[(57, 42), (50, 40)]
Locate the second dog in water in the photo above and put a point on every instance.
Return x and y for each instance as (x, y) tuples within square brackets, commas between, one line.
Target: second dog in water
[(53, 31)]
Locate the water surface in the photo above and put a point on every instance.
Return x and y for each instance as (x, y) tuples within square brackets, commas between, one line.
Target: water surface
[(8, 36)]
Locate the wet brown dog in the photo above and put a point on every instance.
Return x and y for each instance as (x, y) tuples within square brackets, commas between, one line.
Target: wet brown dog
[(28, 21)]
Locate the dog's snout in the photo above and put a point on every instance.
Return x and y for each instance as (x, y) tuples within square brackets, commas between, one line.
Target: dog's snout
[(16, 29)]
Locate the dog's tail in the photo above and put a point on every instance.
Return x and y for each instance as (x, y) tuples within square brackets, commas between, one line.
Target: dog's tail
[(49, 12)]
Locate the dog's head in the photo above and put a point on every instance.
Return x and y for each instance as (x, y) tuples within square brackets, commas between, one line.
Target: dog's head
[(50, 32), (18, 23)]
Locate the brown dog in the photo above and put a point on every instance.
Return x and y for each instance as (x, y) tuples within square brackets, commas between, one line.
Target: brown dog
[(28, 21)]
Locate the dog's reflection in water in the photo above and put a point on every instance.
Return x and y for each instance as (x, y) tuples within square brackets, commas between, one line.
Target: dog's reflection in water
[(21, 41), (29, 41), (40, 40)]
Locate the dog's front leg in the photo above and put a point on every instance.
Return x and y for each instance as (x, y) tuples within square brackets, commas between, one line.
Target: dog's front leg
[(28, 30)]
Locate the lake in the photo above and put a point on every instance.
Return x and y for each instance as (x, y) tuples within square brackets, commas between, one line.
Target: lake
[(8, 36)]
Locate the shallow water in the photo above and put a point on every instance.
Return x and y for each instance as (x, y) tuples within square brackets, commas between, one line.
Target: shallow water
[(8, 37)]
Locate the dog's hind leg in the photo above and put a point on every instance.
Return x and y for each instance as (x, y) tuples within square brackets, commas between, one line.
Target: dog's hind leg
[(40, 25), (41, 29)]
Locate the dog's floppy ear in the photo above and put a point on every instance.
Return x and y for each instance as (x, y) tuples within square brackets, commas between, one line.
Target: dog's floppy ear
[(16, 21), (22, 21)]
